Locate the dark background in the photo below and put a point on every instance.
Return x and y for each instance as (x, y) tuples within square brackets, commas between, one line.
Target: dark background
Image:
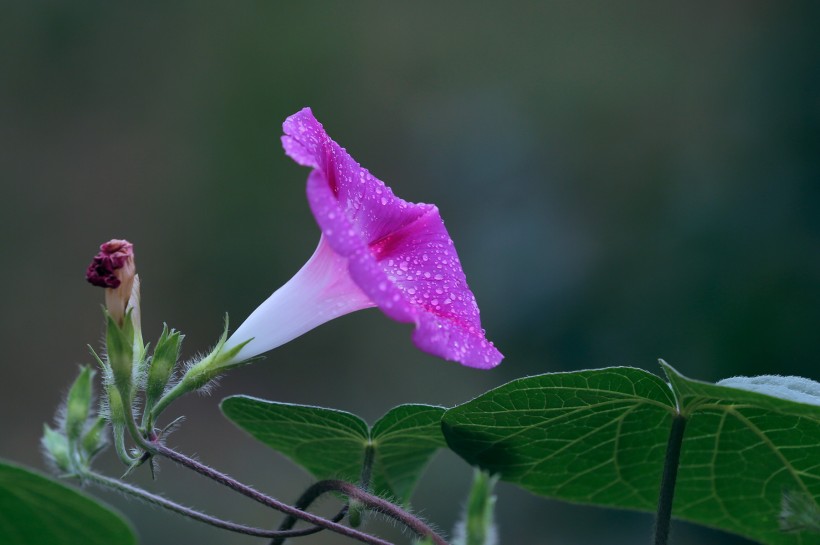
[(623, 182)]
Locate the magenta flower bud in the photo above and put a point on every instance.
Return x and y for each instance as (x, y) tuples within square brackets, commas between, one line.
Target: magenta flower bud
[(376, 250), (113, 269)]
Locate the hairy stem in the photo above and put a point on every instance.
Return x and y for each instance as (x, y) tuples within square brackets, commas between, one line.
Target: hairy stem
[(313, 493), (663, 518), (178, 390), (305, 500), (119, 446), (136, 433), (233, 484), (153, 499), (375, 503)]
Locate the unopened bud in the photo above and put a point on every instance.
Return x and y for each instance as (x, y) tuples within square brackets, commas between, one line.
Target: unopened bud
[(355, 513), (55, 446), (78, 404), (95, 439), (165, 358), (113, 269)]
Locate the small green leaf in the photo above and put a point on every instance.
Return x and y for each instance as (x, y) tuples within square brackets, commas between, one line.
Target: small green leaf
[(36, 510), (332, 444), (600, 436)]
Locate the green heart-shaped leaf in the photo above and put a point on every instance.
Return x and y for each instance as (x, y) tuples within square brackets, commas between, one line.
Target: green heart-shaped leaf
[(593, 436), (599, 437), (404, 440), (742, 452), (332, 444), (36, 510)]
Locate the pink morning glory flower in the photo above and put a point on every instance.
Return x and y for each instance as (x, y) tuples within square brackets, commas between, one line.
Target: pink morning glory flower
[(376, 250)]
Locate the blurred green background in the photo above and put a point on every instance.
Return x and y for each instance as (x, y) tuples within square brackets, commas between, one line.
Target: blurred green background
[(623, 182)]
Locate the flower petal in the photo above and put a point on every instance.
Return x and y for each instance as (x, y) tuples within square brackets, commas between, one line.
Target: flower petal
[(320, 291), (399, 253)]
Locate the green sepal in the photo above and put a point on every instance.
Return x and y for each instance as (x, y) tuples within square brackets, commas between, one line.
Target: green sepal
[(78, 404), (116, 407), (102, 363), (119, 342), (166, 354), (215, 363), (55, 445)]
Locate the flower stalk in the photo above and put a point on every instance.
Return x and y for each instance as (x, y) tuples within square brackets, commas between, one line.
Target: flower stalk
[(245, 490), (377, 504), (159, 501)]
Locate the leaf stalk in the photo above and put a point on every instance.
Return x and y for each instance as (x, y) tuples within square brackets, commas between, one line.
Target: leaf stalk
[(666, 496)]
